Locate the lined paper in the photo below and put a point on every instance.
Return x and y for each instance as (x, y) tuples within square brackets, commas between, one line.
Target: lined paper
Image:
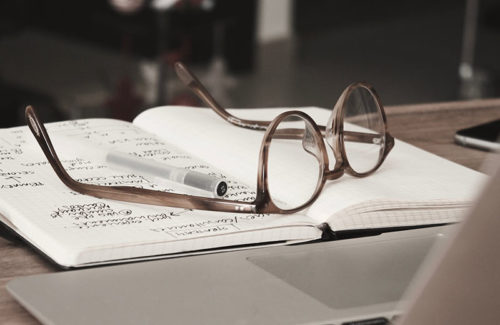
[(416, 185), (75, 229), (412, 187)]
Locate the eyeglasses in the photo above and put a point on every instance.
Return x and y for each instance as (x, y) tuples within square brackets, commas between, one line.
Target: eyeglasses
[(293, 161)]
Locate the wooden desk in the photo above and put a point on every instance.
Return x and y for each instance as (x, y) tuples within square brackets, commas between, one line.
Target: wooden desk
[(428, 126)]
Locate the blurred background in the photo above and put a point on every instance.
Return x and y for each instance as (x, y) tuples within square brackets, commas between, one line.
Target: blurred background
[(113, 58)]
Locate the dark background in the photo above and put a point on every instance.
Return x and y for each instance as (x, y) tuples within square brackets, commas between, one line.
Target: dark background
[(79, 59)]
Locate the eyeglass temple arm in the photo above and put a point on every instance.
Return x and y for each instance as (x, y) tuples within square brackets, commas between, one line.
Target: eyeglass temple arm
[(362, 137), (191, 81), (41, 136), (351, 136), (128, 193)]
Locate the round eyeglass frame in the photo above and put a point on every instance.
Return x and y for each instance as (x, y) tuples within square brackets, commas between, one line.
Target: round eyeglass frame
[(334, 134)]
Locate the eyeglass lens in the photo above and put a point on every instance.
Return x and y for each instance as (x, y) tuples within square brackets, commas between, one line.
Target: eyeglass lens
[(363, 114), (294, 165)]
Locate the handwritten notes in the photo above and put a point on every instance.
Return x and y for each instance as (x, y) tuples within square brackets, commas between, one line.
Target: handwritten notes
[(34, 199), (207, 226)]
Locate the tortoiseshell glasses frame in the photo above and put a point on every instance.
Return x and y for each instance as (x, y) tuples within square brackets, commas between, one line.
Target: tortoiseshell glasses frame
[(333, 133)]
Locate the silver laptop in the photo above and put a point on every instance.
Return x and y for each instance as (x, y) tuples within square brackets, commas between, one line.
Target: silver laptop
[(354, 281), (460, 281)]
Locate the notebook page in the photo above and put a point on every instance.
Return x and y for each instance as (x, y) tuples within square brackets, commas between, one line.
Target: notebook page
[(386, 217), (430, 189), (66, 225), (408, 175), (232, 149)]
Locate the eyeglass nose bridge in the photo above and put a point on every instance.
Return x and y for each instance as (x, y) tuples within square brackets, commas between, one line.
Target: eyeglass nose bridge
[(309, 143), (333, 173), (333, 141)]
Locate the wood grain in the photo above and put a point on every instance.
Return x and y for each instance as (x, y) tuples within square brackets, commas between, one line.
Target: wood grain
[(428, 126), (433, 129)]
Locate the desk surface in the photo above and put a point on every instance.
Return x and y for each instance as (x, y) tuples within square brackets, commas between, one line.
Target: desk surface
[(428, 126)]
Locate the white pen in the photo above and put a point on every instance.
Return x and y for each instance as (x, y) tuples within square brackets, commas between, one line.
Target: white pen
[(180, 175)]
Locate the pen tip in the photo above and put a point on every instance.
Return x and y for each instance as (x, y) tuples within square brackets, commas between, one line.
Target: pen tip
[(221, 188)]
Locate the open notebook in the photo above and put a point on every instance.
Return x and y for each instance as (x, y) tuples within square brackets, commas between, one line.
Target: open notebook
[(411, 188)]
